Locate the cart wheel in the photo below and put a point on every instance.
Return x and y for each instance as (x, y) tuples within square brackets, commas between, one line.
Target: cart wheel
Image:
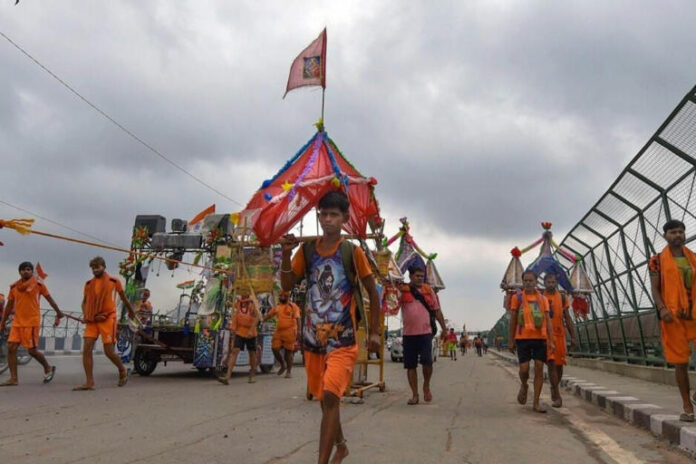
[(382, 387), (143, 363)]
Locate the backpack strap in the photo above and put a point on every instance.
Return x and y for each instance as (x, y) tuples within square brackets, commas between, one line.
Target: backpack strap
[(348, 258), (347, 249)]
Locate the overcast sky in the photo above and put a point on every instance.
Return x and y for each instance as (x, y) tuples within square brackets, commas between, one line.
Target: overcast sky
[(479, 119)]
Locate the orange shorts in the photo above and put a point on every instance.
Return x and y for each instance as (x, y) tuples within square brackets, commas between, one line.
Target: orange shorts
[(330, 372), (558, 355), (675, 340), (107, 330), (28, 337), (284, 339)]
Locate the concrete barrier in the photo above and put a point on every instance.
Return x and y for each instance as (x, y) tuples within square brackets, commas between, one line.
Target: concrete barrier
[(664, 375)]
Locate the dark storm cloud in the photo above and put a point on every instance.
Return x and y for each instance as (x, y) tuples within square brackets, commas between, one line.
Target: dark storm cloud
[(479, 119)]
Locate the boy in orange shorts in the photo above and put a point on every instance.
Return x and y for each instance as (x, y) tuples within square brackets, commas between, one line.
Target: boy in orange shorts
[(24, 300), (332, 268), (99, 313), (558, 313), (287, 328), (674, 293)]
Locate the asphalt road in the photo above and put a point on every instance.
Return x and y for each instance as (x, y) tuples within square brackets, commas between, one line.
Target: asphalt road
[(177, 416)]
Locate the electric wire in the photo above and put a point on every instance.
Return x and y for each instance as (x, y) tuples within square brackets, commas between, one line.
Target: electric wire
[(116, 123)]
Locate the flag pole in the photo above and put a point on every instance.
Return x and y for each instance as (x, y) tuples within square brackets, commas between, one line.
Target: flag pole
[(323, 92)]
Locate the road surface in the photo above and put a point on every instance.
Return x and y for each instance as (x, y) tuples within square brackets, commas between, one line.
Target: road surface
[(178, 416)]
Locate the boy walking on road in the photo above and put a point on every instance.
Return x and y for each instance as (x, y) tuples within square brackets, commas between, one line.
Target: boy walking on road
[(99, 313), (674, 293), (24, 301), (244, 325), (530, 335), (418, 300), (285, 335), (558, 313), (334, 269)]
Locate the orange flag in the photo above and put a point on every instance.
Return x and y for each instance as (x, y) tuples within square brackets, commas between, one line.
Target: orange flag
[(198, 219), (40, 272)]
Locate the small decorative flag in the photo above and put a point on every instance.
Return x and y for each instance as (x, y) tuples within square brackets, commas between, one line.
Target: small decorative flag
[(40, 272), (196, 223), (309, 68)]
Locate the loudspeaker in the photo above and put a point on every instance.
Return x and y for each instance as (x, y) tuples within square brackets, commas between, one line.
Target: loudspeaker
[(153, 223), (176, 241), (179, 225), (215, 221)]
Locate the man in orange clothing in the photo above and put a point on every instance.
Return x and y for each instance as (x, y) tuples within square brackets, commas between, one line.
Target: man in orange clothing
[(99, 313), (334, 269), (143, 308), (26, 326), (558, 312), (244, 330), (530, 335), (674, 293), (287, 328)]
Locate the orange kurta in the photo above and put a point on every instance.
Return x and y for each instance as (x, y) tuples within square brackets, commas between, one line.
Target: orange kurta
[(528, 331), (245, 319), (557, 307)]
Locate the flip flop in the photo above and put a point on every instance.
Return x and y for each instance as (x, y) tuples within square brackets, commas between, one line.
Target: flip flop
[(48, 377), (8, 383), (123, 379), (81, 388), (222, 380), (428, 396), (412, 402), (687, 417), (522, 394)]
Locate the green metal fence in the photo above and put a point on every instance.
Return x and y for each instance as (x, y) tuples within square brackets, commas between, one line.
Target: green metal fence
[(620, 233)]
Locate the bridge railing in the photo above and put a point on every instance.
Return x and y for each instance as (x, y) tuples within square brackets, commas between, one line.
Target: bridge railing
[(619, 234)]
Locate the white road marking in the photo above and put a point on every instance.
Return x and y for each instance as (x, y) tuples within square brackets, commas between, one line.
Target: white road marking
[(593, 434)]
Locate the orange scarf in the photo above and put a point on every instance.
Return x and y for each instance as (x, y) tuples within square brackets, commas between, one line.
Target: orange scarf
[(672, 285), (26, 285), (98, 290)]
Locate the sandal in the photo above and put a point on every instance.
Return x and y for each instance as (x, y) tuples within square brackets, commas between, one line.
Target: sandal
[(222, 380), (687, 417), (123, 379), (49, 376), (413, 401), (522, 394), (80, 388), (8, 383), (428, 396)]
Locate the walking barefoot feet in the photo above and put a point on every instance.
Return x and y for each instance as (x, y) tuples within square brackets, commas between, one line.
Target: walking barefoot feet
[(341, 452), (522, 394), (281, 371), (539, 409)]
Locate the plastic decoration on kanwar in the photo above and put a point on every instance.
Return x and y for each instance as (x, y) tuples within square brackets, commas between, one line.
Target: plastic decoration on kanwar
[(546, 262), (317, 168), (582, 289), (409, 253)]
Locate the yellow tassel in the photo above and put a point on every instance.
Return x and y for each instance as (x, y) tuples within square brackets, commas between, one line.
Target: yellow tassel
[(23, 226)]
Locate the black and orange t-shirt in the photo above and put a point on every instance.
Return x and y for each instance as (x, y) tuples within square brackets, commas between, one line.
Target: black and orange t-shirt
[(330, 316)]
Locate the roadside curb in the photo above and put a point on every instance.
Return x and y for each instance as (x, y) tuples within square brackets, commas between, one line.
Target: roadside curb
[(661, 422)]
